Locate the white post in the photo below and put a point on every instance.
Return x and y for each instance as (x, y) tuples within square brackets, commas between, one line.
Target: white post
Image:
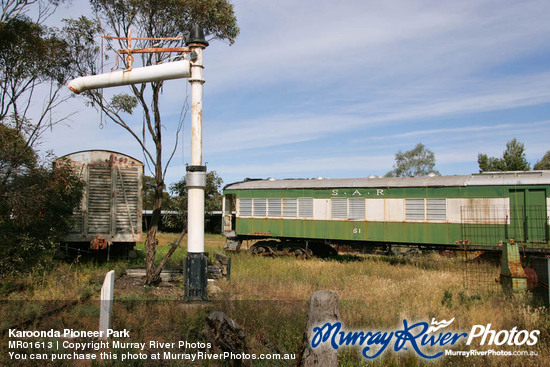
[(106, 303), (196, 261), (196, 180)]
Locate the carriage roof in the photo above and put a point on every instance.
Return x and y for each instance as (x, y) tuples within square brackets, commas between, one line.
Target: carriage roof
[(510, 178)]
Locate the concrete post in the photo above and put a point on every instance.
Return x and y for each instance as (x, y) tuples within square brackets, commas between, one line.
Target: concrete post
[(106, 303)]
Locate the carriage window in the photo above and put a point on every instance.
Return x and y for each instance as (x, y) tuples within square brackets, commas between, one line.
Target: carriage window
[(290, 207), (339, 208), (305, 207), (436, 209), (414, 209), (356, 208), (273, 207), (245, 207), (259, 207)]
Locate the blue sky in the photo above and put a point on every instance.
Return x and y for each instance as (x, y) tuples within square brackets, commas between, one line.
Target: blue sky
[(336, 88)]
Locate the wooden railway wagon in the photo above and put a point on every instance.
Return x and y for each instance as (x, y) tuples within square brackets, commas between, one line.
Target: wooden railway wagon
[(110, 212), (479, 211)]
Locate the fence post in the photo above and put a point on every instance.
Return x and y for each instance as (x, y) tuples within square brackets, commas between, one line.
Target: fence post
[(323, 308), (106, 303)]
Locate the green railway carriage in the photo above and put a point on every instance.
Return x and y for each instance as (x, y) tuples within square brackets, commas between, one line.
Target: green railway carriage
[(479, 210)]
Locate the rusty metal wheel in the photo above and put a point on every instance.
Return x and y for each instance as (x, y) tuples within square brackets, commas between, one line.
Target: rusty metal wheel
[(261, 250)]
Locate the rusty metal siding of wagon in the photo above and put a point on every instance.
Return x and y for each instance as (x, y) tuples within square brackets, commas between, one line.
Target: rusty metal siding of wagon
[(111, 206)]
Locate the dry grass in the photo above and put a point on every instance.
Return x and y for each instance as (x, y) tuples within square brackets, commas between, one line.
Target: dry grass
[(378, 292), (268, 297)]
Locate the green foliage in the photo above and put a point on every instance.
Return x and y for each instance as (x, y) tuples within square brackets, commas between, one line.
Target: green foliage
[(489, 164), (30, 50), (447, 299), (150, 18), (171, 17), (36, 203), (513, 159), (16, 157), (81, 34), (544, 163), (31, 55), (212, 196), (11, 9), (514, 156), (418, 161), (123, 102), (149, 185)]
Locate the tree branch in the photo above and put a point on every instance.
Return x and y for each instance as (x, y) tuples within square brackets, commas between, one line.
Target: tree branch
[(173, 247)]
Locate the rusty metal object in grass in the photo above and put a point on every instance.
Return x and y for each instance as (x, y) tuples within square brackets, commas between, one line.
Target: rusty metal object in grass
[(228, 336), (262, 250), (99, 243), (532, 278), (512, 277)]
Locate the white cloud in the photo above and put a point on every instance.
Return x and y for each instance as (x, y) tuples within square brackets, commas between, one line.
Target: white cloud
[(466, 131), (375, 40), (290, 128), (331, 166)]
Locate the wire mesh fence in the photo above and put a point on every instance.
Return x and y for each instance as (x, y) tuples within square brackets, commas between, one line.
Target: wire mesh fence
[(486, 228), (481, 271)]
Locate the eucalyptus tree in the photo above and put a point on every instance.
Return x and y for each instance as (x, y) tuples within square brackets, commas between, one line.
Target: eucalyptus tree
[(419, 161), (544, 163), (34, 67)]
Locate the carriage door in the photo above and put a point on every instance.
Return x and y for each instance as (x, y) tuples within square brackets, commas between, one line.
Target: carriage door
[(99, 199), (528, 220), (228, 207), (124, 214)]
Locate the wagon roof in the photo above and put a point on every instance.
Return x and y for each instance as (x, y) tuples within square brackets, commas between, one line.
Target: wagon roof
[(512, 178), (87, 155)]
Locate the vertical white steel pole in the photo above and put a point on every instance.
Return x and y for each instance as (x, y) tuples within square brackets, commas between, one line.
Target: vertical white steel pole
[(196, 261), (196, 174)]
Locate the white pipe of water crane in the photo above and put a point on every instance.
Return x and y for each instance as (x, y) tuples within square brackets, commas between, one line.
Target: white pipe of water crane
[(169, 70), (196, 181)]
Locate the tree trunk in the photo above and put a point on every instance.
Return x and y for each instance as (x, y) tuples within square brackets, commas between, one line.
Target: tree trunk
[(153, 274), (151, 247)]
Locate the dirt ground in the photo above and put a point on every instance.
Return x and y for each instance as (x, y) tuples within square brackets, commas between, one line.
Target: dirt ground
[(135, 285)]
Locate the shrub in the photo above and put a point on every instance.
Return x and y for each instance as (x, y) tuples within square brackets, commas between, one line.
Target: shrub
[(36, 203)]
